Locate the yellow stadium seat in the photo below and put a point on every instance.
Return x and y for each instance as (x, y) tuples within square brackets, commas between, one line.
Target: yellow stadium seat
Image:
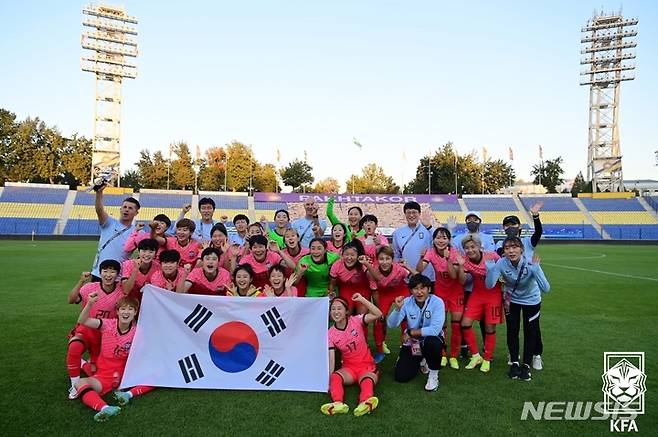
[(30, 210), (562, 217), (624, 218)]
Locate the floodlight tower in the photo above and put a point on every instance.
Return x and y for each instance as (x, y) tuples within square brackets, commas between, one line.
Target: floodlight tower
[(607, 43), (111, 41)]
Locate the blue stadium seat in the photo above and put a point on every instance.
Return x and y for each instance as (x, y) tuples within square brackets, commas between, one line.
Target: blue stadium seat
[(550, 203), (445, 206), (82, 227), (612, 204), (84, 198), (270, 206), (164, 200), (490, 203), (632, 232), (33, 195), (25, 226)]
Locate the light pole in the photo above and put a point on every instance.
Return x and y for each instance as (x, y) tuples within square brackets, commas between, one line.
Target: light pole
[(225, 171), (455, 172), (196, 169)]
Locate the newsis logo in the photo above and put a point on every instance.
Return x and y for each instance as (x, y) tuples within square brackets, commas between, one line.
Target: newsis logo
[(624, 385)]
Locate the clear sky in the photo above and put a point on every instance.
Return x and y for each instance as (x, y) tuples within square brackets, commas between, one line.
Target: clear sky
[(310, 75)]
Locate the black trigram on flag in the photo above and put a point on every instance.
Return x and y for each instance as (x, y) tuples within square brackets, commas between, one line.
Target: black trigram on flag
[(270, 374), (190, 368), (198, 318), (273, 321)]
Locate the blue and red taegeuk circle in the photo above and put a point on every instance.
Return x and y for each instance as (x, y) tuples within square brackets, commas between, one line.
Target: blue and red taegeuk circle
[(233, 347)]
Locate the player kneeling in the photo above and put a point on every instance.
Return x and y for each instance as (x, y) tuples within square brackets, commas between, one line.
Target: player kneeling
[(425, 314), (347, 336), (116, 338)]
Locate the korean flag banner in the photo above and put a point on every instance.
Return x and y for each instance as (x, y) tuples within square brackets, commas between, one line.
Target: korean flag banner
[(215, 342)]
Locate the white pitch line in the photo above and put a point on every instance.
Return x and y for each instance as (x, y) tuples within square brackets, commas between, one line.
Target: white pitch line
[(602, 272)]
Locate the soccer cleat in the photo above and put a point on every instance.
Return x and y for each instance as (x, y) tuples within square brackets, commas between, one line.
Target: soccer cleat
[(122, 398), (475, 361), (537, 362), (105, 414), (366, 407), (379, 357), (514, 371), (454, 363), (424, 369), (486, 366), (73, 393), (524, 373), (333, 408), (432, 381), (385, 348), (444, 361)]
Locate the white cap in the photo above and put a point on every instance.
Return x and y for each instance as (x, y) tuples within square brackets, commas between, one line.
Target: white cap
[(475, 213)]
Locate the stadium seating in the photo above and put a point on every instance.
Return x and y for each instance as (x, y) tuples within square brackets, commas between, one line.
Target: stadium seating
[(30, 209), (36, 208)]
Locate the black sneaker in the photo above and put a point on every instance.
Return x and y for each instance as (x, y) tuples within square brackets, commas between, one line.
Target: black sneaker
[(524, 373), (514, 371)]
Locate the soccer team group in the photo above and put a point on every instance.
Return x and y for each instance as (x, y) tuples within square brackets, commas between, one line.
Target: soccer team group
[(424, 277)]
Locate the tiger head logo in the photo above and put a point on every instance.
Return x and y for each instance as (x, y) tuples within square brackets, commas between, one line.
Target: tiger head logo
[(624, 383)]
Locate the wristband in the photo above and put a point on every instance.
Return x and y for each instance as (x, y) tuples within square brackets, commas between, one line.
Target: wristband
[(429, 228)]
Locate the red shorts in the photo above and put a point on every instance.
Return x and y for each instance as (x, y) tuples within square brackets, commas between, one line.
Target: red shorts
[(90, 337), (347, 293), (485, 303), (453, 301), (109, 378), (359, 371)]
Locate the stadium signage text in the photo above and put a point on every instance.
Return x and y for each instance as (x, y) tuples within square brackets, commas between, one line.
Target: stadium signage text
[(355, 198)]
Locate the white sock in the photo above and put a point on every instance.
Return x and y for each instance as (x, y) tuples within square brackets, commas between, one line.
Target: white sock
[(104, 408), (434, 372), (74, 380), (130, 395)]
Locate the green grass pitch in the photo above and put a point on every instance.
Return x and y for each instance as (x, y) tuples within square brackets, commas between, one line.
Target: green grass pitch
[(606, 301)]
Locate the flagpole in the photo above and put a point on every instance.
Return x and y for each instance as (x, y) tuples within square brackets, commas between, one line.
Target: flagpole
[(455, 151)]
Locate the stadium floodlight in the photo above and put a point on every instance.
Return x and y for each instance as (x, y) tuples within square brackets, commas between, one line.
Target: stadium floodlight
[(110, 39), (607, 45)]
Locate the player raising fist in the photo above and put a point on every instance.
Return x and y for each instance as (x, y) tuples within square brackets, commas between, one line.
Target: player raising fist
[(358, 366)]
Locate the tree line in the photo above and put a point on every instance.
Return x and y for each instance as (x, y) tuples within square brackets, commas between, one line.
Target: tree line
[(32, 151)]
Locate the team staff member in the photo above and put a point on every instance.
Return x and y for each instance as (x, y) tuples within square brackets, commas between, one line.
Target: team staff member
[(205, 223), (425, 315), (114, 233), (309, 226), (473, 221), (524, 283), (410, 241)]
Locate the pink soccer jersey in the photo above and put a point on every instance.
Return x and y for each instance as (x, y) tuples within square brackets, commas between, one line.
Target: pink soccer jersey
[(444, 283), (142, 278), (351, 343), (479, 271), (115, 345), (158, 279), (393, 281), (189, 254), (261, 268), (202, 285), (355, 276), (133, 240), (331, 247), (105, 306), (371, 249)]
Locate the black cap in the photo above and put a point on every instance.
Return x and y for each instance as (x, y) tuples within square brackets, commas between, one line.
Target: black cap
[(511, 220)]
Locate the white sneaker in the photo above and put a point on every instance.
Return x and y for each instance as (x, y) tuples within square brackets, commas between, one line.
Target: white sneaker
[(423, 367), (432, 381), (73, 393), (537, 362)]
